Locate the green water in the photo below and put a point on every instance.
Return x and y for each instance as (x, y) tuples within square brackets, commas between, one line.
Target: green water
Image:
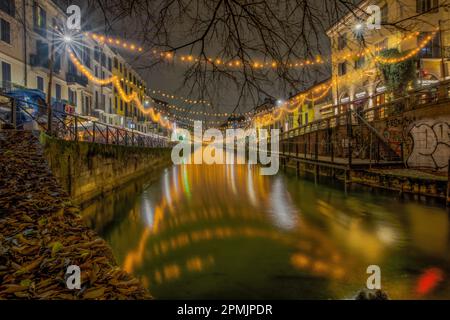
[(227, 232)]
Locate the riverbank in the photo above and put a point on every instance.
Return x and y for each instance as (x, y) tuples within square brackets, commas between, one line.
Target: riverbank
[(42, 233), (402, 181), (91, 170)]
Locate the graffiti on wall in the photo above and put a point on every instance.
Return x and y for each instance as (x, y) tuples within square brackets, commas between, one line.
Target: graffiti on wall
[(429, 144), (395, 130)]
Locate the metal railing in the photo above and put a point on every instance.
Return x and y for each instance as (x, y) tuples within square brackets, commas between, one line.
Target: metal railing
[(73, 127), (348, 136)]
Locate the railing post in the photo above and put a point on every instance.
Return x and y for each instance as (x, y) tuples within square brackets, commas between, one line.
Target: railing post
[(317, 145), (13, 113), (448, 184), (76, 129), (93, 131), (107, 134), (402, 156), (349, 138), (332, 147)]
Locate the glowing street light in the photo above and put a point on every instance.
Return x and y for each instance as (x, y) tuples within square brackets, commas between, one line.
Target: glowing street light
[(358, 27), (67, 39)]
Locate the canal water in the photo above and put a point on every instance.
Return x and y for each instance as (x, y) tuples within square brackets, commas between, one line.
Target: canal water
[(225, 231)]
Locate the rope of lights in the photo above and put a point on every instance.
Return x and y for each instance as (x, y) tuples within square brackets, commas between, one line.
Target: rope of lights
[(156, 117), (409, 55)]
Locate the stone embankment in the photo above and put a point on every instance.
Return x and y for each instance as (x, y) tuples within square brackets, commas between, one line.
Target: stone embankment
[(42, 233)]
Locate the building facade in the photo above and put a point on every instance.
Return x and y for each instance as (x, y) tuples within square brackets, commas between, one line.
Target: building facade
[(405, 26), (26, 29)]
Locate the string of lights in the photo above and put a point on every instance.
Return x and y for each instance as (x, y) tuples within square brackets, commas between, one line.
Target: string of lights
[(115, 42), (313, 95), (409, 55), (156, 117), (166, 95), (233, 63)]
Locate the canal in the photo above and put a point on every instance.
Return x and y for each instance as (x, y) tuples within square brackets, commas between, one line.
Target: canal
[(225, 231)]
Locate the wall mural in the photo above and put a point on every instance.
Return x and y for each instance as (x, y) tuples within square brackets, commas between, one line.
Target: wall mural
[(429, 144)]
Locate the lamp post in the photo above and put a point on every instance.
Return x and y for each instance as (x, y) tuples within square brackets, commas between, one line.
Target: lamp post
[(50, 83)]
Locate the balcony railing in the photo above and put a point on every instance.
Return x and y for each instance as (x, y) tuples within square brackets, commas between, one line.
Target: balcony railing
[(76, 78), (332, 139), (43, 62)]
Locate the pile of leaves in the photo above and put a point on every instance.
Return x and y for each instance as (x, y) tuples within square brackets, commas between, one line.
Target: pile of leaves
[(41, 234)]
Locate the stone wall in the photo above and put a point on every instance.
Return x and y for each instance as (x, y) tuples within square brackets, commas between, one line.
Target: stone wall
[(88, 170)]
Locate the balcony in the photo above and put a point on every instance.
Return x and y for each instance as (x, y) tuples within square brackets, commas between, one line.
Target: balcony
[(37, 61), (73, 78)]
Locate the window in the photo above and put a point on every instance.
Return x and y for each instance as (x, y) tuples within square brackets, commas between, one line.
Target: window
[(103, 74), (432, 48), (306, 118), (58, 92), (342, 68), (72, 69), (97, 54), (39, 19), (6, 74), (109, 64), (87, 106), (116, 63), (385, 14), (423, 6), (57, 61), (103, 102), (42, 52), (40, 83), (342, 41), (360, 62), (72, 97), (96, 72), (8, 6), (382, 45), (96, 100), (87, 57), (103, 62), (5, 31)]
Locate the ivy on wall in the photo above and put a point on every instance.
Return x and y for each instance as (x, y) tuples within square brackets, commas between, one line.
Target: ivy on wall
[(397, 76)]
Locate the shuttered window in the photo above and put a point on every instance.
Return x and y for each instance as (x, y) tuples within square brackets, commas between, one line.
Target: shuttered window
[(5, 31)]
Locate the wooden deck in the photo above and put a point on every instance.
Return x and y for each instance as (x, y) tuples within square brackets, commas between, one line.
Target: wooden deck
[(339, 162)]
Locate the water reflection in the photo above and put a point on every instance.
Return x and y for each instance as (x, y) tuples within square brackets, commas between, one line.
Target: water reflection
[(225, 231)]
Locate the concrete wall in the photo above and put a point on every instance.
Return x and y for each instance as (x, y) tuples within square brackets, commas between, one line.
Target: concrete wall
[(426, 132), (88, 170)]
